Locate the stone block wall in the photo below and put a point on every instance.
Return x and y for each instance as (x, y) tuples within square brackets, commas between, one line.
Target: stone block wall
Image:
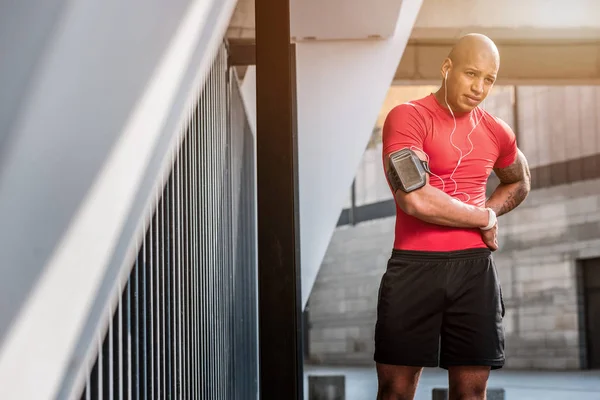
[(343, 300), (541, 243)]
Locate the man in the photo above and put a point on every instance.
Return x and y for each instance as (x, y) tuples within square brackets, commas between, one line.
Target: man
[(440, 302)]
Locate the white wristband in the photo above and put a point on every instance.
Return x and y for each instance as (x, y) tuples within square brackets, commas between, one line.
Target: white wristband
[(491, 220)]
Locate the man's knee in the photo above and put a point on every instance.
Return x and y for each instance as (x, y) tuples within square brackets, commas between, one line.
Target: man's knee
[(468, 383), (396, 382), (468, 391), (396, 390)]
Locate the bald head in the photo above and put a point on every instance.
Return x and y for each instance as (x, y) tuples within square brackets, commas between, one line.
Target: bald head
[(474, 47), (469, 72)]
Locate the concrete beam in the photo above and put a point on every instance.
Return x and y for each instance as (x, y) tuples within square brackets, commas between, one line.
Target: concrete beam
[(524, 63), (509, 19), (354, 19)]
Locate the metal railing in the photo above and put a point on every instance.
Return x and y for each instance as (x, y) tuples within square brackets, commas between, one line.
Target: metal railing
[(186, 323)]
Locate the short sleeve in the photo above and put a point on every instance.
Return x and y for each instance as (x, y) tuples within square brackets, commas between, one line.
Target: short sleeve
[(507, 143), (403, 128)]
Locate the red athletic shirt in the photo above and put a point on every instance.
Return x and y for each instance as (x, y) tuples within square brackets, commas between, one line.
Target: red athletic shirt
[(425, 125)]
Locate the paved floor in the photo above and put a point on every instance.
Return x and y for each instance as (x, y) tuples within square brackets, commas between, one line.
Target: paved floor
[(361, 383)]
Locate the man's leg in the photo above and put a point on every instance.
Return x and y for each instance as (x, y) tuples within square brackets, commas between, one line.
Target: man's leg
[(397, 382), (472, 340), (468, 382), (409, 316)]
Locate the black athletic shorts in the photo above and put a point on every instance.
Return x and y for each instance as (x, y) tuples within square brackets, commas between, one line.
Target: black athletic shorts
[(440, 309)]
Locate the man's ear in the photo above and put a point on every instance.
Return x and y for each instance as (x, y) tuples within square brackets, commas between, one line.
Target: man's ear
[(446, 66)]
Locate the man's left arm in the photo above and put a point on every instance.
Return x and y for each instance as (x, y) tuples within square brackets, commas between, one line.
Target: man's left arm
[(515, 184)]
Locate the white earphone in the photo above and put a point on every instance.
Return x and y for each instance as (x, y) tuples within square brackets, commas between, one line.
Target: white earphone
[(461, 156)]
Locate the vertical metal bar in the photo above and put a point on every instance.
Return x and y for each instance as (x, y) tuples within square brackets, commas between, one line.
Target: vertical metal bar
[(181, 270), (208, 317), (225, 228), (170, 281), (156, 291), (186, 259), (129, 371), (120, 343), (191, 264), (163, 336), (174, 276), (110, 359), (222, 230), (253, 253), (175, 283), (218, 170), (202, 241), (202, 244), (212, 259), (186, 270), (237, 191), (206, 242), (179, 280), (195, 247), (191, 219), (100, 368), (137, 344), (229, 328), (144, 353), (190, 222), (186, 187), (219, 231), (151, 306), (229, 305), (278, 238), (208, 238)]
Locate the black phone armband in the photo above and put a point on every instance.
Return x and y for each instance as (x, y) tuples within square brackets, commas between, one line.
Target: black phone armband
[(406, 171)]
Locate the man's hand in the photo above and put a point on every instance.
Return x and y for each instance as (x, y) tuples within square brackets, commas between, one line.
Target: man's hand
[(490, 237)]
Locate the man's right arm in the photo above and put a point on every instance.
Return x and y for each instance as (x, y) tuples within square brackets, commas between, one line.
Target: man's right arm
[(432, 205)]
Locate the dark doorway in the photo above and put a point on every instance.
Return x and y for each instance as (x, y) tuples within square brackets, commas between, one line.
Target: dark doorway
[(590, 285)]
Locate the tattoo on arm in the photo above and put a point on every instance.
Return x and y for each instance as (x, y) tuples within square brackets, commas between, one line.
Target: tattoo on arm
[(516, 180)]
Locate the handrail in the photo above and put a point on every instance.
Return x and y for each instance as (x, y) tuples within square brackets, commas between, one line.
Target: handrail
[(49, 341)]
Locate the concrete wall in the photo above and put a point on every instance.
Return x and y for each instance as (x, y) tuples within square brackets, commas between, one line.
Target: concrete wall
[(343, 301), (558, 123), (541, 243)]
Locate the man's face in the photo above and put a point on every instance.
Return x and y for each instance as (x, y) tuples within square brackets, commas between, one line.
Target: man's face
[(469, 83)]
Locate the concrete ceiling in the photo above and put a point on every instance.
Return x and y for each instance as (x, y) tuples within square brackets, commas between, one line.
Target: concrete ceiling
[(242, 21), (509, 20), (446, 20), (311, 19), (540, 41)]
